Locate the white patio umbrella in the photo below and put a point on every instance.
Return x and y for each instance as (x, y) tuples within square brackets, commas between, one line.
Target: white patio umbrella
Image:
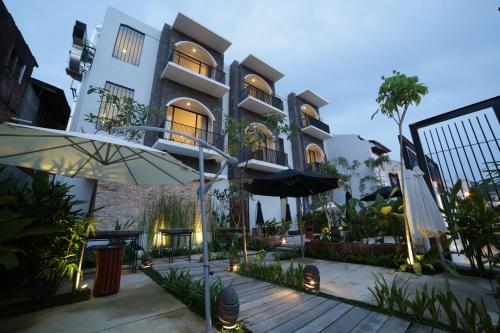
[(424, 217), (92, 156)]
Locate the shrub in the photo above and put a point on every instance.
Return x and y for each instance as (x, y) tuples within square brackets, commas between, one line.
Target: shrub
[(390, 260), (468, 316)]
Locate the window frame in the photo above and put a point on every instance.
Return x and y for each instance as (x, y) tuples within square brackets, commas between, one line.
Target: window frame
[(103, 104), (132, 41)]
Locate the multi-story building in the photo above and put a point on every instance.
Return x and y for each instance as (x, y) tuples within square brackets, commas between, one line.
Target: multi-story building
[(179, 70), (16, 65), (251, 99)]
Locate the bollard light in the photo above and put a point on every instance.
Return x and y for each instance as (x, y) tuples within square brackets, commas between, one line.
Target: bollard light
[(147, 261), (228, 308), (234, 264), (311, 279)]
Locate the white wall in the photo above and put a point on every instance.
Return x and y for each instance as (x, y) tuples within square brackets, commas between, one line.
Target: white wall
[(106, 68)]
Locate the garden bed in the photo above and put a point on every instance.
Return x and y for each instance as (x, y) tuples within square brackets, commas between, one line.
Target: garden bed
[(356, 248)]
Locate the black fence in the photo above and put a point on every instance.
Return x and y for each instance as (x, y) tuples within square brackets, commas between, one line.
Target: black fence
[(261, 95), (266, 155), (459, 145), (212, 138), (198, 66), (310, 121)]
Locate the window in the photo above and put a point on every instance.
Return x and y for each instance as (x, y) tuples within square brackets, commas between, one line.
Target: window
[(128, 45), (187, 122), (311, 157), (15, 66), (107, 110)]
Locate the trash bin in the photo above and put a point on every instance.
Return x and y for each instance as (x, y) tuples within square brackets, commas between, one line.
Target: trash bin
[(309, 232), (108, 270)]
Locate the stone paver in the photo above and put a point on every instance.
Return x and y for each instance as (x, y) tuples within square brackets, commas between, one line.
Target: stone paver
[(140, 306)]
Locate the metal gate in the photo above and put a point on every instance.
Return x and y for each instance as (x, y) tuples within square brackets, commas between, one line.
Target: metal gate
[(460, 144)]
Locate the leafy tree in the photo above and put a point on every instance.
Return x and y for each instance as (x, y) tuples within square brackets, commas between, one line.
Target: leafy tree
[(350, 171), (126, 112), (326, 199), (396, 94), (375, 165), (244, 136)]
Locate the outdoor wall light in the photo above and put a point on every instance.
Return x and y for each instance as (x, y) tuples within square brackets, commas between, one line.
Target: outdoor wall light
[(234, 263), (283, 240), (228, 308), (311, 279)]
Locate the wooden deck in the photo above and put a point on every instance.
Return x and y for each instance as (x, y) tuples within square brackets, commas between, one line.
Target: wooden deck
[(265, 307)]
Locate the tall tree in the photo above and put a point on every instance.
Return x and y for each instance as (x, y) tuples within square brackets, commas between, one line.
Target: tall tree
[(396, 94)]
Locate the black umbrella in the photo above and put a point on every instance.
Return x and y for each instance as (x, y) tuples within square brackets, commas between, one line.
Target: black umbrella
[(384, 192), (292, 183), (260, 218), (288, 215)]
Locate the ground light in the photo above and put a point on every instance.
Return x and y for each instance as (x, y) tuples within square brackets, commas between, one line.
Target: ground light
[(228, 308), (311, 279), (234, 263), (202, 191)]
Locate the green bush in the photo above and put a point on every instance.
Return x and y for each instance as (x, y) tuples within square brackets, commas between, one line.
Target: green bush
[(391, 260), (467, 316), (316, 219), (292, 277), (40, 234)]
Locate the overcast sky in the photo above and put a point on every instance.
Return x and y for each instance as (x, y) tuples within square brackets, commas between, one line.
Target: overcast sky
[(339, 49)]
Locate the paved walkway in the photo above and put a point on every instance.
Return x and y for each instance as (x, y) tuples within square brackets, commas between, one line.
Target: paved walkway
[(352, 281), (140, 306), (265, 307)]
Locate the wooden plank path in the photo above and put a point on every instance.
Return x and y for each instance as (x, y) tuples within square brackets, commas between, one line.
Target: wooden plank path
[(266, 307)]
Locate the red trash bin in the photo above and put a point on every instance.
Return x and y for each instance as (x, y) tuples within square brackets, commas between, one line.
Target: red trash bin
[(108, 270), (309, 232)]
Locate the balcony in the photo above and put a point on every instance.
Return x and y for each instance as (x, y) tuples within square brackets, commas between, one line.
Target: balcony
[(260, 102), (313, 167), (315, 128), (264, 159), (191, 72), (176, 144)]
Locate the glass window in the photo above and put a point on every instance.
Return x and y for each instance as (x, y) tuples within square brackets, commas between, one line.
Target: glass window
[(311, 157), (186, 122), (15, 66), (128, 45), (107, 110)]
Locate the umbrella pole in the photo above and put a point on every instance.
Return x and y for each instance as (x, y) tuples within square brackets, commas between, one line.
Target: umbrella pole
[(206, 268), (299, 210)]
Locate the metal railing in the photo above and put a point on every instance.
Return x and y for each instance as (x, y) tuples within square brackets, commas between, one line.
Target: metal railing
[(312, 167), (261, 95), (212, 138), (307, 120), (266, 155), (197, 66)]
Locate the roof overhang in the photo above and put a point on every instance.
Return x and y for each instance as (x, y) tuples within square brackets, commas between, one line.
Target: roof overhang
[(262, 68), (200, 33), (379, 148), (313, 98)]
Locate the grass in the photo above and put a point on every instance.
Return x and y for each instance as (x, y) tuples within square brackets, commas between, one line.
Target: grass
[(182, 286), (20, 308)]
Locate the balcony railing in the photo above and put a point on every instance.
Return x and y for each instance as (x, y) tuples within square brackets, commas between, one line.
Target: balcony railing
[(313, 167), (261, 95), (212, 138), (310, 121), (266, 155), (197, 66)]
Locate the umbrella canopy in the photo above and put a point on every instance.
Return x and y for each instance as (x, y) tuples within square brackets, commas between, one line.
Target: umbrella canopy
[(92, 156), (260, 218), (424, 217), (384, 192), (291, 183)]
